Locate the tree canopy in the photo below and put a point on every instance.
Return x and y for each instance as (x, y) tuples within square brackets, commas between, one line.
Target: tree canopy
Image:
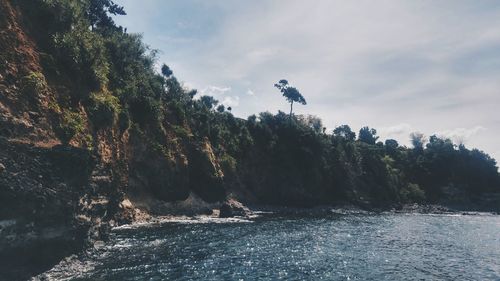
[(368, 135), (290, 93)]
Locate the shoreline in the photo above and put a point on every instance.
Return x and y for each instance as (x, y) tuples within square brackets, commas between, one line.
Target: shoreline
[(263, 211)]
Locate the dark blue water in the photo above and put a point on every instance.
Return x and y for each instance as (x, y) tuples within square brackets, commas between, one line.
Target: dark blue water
[(347, 247)]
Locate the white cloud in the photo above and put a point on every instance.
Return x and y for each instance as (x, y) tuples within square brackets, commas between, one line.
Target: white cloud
[(460, 135), (231, 101), (221, 94), (398, 129), (214, 91)]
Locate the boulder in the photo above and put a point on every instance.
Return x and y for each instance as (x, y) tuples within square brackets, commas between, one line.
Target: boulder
[(232, 208)]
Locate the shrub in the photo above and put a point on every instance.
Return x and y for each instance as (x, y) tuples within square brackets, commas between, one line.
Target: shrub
[(84, 54), (412, 193), (103, 109), (178, 111), (228, 164), (70, 124), (145, 110), (33, 85), (181, 132)]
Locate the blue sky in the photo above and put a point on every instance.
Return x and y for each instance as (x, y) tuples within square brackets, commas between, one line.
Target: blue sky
[(397, 66)]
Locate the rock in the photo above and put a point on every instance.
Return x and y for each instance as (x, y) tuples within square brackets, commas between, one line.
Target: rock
[(2, 168), (126, 204), (232, 208)]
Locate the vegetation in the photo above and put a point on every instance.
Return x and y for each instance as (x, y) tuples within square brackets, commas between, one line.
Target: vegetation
[(281, 157), (33, 85), (290, 93), (70, 124), (103, 109)]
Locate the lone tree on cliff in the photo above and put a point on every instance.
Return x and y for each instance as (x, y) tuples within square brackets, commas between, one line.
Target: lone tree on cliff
[(290, 93)]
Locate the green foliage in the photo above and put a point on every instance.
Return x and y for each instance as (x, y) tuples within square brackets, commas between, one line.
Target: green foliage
[(97, 11), (33, 85), (166, 71), (84, 54), (290, 93), (145, 110), (182, 132), (221, 108), (391, 144), (368, 135), (103, 109), (208, 102), (412, 193), (70, 124), (344, 132), (228, 164), (178, 110), (88, 142)]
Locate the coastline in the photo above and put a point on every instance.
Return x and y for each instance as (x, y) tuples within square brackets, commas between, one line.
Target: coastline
[(78, 263), (263, 211)]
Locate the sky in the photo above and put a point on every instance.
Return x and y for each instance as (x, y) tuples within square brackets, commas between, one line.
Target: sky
[(397, 66)]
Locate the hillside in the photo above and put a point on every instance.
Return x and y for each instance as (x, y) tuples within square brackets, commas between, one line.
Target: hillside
[(92, 136)]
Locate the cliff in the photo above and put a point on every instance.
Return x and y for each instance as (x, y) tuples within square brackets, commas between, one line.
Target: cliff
[(55, 197), (91, 136)]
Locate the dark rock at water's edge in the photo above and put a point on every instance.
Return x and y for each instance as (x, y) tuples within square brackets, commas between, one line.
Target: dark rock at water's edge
[(232, 208), (353, 209)]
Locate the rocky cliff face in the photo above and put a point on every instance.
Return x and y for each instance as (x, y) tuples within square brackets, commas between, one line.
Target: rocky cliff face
[(55, 198)]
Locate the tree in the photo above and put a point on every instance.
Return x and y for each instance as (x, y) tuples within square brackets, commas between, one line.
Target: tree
[(290, 93), (392, 144), (344, 132), (368, 135), (98, 10), (311, 121), (391, 147), (209, 101), (418, 140), (220, 108), (166, 71)]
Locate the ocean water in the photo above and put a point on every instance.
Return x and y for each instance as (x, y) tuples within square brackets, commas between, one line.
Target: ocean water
[(330, 247)]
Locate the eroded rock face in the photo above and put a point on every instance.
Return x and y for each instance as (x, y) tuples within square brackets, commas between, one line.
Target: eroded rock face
[(37, 207), (165, 176), (206, 178)]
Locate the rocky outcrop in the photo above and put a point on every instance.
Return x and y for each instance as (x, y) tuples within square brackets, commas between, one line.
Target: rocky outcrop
[(37, 208), (232, 208)]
